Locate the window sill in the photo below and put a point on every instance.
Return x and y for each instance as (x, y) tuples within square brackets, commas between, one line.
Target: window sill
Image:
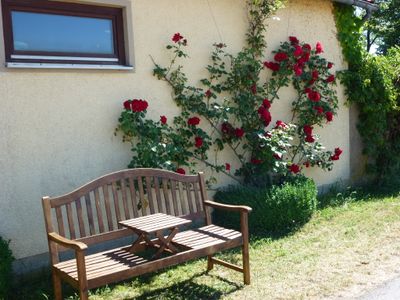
[(19, 65)]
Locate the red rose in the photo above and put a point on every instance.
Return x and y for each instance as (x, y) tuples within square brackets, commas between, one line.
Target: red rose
[(127, 104), (307, 47), (208, 93), (265, 115), (177, 37), (338, 151), (267, 134), (163, 119), (294, 169), (329, 116), (314, 96), (281, 56), (293, 40), (253, 89), (227, 166), (305, 58), (307, 164), (256, 161), (319, 110), (318, 48), (331, 78), (194, 121), (307, 90), (272, 66), (335, 157), (297, 69), (309, 139), (277, 156), (227, 128), (198, 142), (139, 105), (180, 171), (266, 103), (281, 124), (239, 132), (315, 74), (298, 51), (330, 65), (307, 129)]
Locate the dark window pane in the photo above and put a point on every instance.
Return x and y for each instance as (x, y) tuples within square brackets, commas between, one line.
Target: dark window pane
[(58, 33)]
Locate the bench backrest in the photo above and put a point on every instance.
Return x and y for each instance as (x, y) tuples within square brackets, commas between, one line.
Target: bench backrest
[(91, 213)]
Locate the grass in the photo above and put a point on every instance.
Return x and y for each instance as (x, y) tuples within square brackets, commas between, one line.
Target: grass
[(342, 251)]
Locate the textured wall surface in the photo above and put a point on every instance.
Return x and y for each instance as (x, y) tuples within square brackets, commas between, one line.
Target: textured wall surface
[(57, 125)]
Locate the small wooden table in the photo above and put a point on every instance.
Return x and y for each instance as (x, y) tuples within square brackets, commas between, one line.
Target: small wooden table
[(155, 223)]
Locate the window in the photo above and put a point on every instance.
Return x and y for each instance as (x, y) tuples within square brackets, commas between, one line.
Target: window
[(52, 32)]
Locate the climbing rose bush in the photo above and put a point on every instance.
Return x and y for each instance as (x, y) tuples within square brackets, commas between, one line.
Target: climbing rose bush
[(236, 104)]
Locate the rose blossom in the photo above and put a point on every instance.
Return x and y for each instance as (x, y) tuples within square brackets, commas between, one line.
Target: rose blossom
[(127, 104), (297, 69), (294, 40), (163, 119), (307, 164), (307, 47), (256, 161), (266, 103), (314, 74), (329, 116), (198, 142), (307, 129), (177, 37), (194, 121), (331, 78), (335, 157), (281, 56), (253, 89), (277, 156), (180, 171), (338, 151), (227, 128), (139, 105), (298, 51), (208, 93), (319, 48), (239, 132), (227, 166), (314, 96), (330, 65), (281, 124), (319, 109), (272, 66), (294, 169), (309, 139)]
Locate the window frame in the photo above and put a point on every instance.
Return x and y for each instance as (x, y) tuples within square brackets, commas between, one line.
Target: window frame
[(114, 14)]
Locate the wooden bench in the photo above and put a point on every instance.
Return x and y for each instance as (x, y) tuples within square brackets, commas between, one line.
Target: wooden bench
[(91, 214)]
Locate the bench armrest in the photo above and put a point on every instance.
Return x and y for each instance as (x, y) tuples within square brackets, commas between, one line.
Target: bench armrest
[(67, 243), (217, 205)]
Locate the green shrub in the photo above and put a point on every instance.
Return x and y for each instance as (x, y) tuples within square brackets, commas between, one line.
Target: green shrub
[(6, 259), (275, 209)]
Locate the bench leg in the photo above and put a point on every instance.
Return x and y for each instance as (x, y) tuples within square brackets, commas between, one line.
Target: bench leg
[(210, 264), (57, 287), (83, 294), (246, 263)]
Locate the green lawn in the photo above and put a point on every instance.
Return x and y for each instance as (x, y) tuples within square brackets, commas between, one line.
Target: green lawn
[(341, 251)]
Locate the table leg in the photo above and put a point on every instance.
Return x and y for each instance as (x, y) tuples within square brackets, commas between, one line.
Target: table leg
[(165, 243), (140, 238)]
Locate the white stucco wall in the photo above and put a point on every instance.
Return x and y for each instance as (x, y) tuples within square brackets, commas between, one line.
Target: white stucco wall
[(57, 125)]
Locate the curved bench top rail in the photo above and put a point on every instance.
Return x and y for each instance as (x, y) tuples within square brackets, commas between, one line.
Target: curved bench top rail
[(116, 176)]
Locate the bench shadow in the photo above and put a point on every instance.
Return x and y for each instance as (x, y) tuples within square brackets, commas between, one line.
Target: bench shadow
[(189, 289)]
